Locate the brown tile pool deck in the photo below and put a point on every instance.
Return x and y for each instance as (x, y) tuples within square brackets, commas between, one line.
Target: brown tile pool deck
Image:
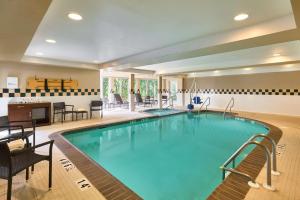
[(232, 188)]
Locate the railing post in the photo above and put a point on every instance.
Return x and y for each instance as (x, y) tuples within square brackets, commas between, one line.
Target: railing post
[(223, 173), (274, 163)]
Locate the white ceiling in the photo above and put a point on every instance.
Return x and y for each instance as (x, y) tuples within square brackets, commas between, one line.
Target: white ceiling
[(289, 51), (113, 29)]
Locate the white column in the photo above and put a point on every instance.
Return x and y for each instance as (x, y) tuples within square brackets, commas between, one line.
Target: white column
[(159, 91), (180, 96), (101, 83), (147, 87), (131, 93)]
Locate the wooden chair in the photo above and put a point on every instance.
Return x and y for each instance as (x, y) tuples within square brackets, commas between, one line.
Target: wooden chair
[(96, 106), (61, 108), (11, 163)]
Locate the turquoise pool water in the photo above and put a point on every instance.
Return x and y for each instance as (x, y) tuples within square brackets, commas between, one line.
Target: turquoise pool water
[(162, 112), (169, 158)]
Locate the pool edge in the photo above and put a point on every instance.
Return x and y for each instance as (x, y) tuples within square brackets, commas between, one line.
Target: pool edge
[(113, 189)]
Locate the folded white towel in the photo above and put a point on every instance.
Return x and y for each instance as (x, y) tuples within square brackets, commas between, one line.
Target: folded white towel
[(16, 145)]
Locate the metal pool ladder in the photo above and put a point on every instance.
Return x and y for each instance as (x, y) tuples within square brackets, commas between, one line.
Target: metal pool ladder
[(252, 182), (208, 103), (229, 106)]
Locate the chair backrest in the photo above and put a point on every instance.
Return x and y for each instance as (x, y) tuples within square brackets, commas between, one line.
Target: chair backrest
[(3, 122), (164, 97), (147, 99), (5, 154), (59, 106), (118, 98), (138, 98), (96, 103)]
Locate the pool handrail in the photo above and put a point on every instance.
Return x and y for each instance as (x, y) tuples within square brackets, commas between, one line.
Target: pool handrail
[(229, 105), (207, 99), (239, 173), (274, 161), (237, 152)]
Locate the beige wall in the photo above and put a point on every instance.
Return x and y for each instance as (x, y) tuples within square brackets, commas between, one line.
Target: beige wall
[(281, 80), (89, 79), (283, 104)]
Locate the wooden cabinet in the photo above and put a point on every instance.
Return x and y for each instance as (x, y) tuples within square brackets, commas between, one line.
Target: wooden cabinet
[(41, 112)]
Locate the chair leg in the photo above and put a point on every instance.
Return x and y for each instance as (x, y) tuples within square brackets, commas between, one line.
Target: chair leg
[(90, 114), (27, 174), (9, 186), (32, 168), (53, 118), (102, 113), (50, 173)]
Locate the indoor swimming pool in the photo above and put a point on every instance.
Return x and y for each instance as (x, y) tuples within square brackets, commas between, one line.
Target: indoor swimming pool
[(173, 157)]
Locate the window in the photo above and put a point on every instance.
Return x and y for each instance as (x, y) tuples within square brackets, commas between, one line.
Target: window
[(121, 87), (173, 89), (105, 87)]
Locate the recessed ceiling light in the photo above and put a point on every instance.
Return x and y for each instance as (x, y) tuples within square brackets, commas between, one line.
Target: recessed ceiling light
[(288, 65), (248, 69), (39, 53), (50, 41), (241, 17), (95, 61), (276, 54), (75, 16), (216, 71)]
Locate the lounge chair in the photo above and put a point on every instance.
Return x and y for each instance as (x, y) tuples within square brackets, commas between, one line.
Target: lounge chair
[(119, 101), (139, 100)]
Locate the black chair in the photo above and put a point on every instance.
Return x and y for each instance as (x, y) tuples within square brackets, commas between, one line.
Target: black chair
[(17, 129), (11, 163), (119, 100), (139, 100), (164, 99), (61, 108), (148, 101), (96, 106)]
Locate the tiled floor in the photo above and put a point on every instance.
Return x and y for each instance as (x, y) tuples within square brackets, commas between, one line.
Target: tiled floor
[(65, 187), (64, 183)]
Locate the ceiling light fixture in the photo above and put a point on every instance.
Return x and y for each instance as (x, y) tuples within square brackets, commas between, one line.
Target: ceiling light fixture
[(216, 71), (39, 53), (95, 61), (248, 69), (75, 16), (51, 41), (276, 54), (241, 17)]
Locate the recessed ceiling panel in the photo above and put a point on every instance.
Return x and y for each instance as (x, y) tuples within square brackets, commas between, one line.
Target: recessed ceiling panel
[(112, 29)]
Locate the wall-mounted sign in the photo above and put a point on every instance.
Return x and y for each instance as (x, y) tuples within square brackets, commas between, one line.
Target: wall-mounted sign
[(12, 82)]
